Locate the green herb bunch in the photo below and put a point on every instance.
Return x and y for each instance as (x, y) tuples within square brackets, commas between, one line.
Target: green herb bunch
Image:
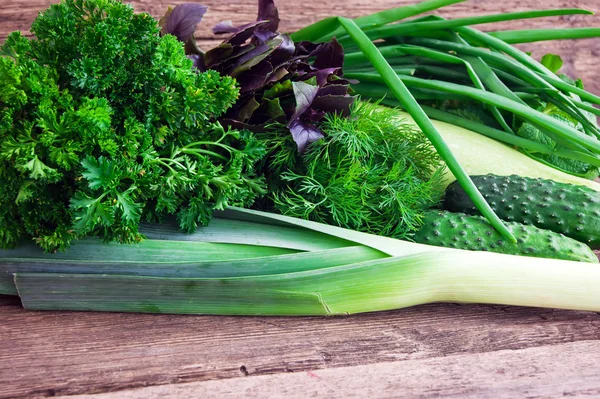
[(104, 123), (372, 172)]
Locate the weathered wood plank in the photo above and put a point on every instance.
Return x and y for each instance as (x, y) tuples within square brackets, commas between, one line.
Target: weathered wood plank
[(580, 59), (63, 353), (545, 372)]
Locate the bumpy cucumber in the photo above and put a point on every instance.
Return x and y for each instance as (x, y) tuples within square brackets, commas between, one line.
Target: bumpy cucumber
[(457, 230), (563, 208)]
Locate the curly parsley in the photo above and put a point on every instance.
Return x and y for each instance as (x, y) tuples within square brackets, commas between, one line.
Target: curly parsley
[(104, 123)]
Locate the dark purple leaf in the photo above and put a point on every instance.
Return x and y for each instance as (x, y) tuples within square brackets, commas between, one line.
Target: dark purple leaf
[(323, 75), (256, 77), (314, 115), (328, 55), (277, 75), (284, 51), (184, 18), (304, 95), (306, 48), (304, 134), (262, 36), (250, 59), (268, 12), (334, 104), (245, 32), (335, 90)]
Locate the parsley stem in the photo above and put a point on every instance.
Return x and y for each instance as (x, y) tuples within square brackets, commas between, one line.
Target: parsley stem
[(198, 151), (217, 143), (161, 161)]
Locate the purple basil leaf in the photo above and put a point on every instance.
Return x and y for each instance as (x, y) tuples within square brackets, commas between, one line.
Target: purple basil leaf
[(304, 95), (256, 77), (262, 36), (277, 75), (268, 11), (304, 134), (306, 48), (314, 115), (323, 75), (245, 32), (184, 18), (250, 59), (335, 90), (328, 55), (335, 104), (284, 51)]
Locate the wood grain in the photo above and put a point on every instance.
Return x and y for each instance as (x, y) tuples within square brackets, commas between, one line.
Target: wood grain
[(63, 353), (566, 369), (580, 59), (426, 351)]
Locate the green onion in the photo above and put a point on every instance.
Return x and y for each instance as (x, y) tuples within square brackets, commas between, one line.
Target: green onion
[(528, 61), (538, 35), (536, 117), (416, 28), (328, 28)]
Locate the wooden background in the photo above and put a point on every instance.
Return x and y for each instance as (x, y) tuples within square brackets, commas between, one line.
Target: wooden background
[(427, 351)]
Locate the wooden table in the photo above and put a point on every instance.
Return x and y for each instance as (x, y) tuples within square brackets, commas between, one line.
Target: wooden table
[(436, 350)]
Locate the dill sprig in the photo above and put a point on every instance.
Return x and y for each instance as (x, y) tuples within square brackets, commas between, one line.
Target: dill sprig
[(372, 172)]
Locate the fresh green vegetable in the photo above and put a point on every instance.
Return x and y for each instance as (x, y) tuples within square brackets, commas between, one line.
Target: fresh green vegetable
[(481, 155), (457, 230), (370, 172), (224, 248), (564, 208), (104, 123), (537, 35), (423, 45), (558, 129), (387, 274)]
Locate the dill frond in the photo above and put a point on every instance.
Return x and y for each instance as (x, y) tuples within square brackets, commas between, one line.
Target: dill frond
[(372, 172)]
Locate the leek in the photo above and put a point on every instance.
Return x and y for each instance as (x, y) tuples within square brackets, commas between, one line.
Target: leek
[(372, 274)]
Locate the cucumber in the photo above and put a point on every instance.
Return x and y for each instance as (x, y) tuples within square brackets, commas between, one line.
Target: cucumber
[(560, 207), (457, 230)]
